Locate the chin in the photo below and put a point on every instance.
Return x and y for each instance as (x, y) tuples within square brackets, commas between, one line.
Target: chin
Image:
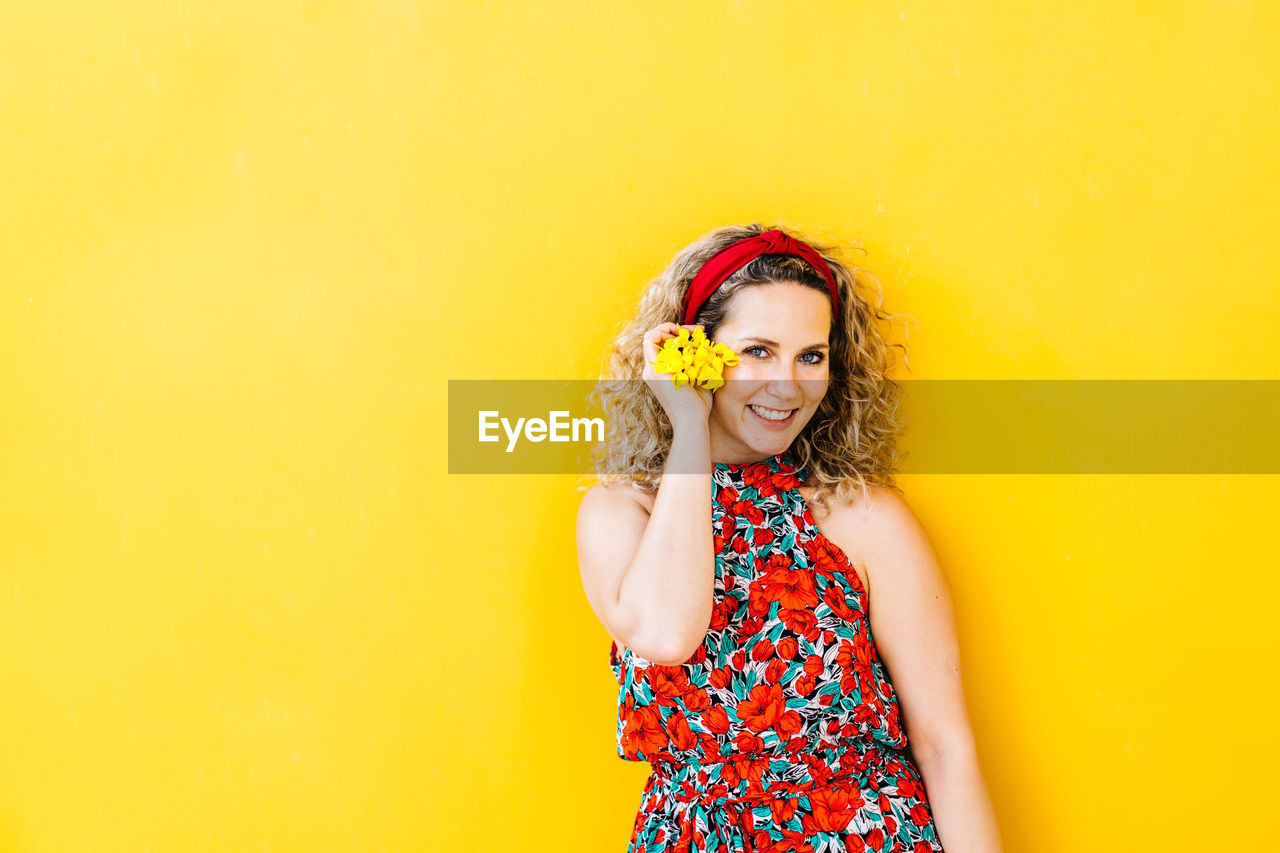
[(760, 440), (771, 444)]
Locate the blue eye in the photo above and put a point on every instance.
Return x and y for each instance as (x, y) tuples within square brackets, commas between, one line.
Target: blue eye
[(760, 352)]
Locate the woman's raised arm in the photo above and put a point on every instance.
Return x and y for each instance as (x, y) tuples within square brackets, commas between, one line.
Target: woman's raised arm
[(650, 575)]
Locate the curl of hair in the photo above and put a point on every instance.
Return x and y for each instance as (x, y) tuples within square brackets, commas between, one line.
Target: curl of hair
[(850, 442)]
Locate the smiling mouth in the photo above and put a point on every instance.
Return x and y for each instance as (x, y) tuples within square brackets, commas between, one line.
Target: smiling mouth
[(771, 414)]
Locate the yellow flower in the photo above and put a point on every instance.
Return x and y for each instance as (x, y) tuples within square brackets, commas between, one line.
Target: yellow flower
[(669, 360), (723, 352), (692, 359)]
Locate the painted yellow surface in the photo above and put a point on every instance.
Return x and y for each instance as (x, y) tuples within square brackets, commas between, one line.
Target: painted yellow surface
[(243, 247)]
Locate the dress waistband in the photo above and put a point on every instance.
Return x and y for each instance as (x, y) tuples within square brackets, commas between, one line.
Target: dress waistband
[(711, 803)]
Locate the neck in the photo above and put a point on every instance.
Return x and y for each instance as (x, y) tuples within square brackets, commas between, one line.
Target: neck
[(773, 461), (741, 455)]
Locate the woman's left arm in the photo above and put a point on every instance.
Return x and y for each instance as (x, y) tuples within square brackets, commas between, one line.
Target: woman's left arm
[(913, 626)]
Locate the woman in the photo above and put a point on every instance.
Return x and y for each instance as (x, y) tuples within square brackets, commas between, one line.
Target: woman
[(733, 550)]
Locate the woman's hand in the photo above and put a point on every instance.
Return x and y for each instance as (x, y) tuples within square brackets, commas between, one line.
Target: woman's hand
[(687, 403)]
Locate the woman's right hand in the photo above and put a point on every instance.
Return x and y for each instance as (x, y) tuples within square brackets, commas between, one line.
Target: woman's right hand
[(686, 403)]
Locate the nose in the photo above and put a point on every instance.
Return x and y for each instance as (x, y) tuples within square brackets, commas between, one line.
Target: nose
[(782, 384)]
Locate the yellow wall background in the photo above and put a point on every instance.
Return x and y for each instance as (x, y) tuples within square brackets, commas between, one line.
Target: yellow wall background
[(244, 245)]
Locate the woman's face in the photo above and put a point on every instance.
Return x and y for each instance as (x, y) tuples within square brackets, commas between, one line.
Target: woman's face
[(780, 332)]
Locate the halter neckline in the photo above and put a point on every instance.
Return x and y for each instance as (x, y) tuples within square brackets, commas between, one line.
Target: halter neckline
[(781, 463), (772, 462)]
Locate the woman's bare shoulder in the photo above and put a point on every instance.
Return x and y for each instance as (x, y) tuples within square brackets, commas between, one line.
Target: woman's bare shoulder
[(856, 524), (620, 491), (854, 504)]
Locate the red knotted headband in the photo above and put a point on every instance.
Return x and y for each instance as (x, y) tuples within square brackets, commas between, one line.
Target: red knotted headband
[(738, 254)]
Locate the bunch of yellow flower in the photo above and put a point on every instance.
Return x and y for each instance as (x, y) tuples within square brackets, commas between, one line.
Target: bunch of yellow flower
[(691, 358)]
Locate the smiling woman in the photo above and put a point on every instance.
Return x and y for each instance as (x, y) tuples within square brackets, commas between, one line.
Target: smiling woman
[(744, 642), (848, 440), (779, 384)]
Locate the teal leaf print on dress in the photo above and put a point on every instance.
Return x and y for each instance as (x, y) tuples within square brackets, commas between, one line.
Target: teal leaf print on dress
[(788, 543)]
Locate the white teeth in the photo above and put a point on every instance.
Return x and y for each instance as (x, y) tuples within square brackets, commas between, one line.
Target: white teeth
[(772, 414)]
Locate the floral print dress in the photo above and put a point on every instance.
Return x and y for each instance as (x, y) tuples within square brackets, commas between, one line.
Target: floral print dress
[(782, 731)]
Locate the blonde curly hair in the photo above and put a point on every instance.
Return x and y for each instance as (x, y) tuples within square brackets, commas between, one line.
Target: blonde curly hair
[(850, 442)]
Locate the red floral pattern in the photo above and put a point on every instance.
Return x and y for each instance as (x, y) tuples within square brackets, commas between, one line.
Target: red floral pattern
[(782, 732)]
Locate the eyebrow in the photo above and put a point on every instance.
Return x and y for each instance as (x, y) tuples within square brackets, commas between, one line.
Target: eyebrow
[(770, 343)]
